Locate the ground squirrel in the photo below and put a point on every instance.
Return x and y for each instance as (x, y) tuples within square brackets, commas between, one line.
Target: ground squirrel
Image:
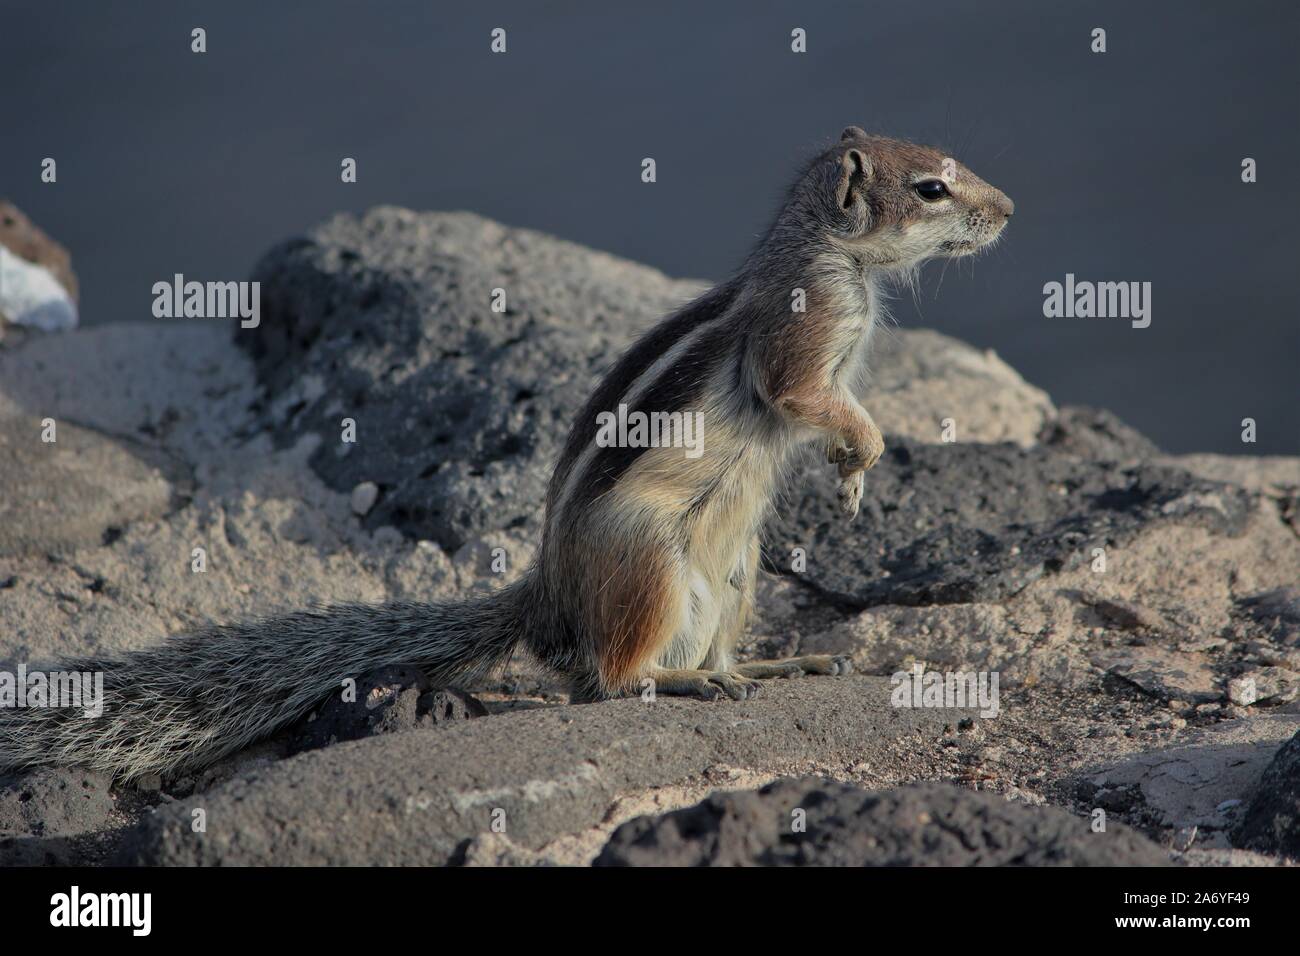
[(648, 556)]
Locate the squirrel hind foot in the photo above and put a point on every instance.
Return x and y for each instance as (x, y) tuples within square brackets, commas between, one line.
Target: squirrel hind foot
[(705, 685), (829, 665)]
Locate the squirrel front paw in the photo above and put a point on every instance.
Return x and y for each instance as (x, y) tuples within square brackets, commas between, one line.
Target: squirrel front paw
[(856, 458), (849, 494)]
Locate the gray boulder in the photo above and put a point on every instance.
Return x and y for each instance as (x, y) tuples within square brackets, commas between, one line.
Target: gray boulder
[(965, 522), (1271, 823), (388, 320), (387, 701), (1096, 434), (80, 489), (530, 775), (812, 822)]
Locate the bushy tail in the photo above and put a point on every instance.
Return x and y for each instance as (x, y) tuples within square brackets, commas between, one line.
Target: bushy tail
[(199, 697)]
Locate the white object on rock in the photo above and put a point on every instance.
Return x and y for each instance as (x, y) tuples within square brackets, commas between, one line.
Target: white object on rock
[(30, 295), (1242, 691), (364, 497)]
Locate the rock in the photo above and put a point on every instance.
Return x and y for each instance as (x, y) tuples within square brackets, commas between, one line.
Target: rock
[(447, 705), (182, 387), (456, 405), (1277, 612), (1220, 856), (1271, 823), (73, 491), (920, 825), (1095, 434), (1275, 475), (418, 797), (21, 236), (920, 378), (1272, 654), (955, 523), (364, 497), (1271, 685), (31, 296), (1162, 673), (1126, 615), (1242, 691), (37, 285), (492, 849), (384, 702), (276, 538), (889, 638), (1061, 627), (41, 851), (54, 802), (387, 701), (1195, 781)]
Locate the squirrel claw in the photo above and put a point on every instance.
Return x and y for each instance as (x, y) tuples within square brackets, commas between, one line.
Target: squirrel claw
[(735, 686), (837, 451), (849, 495)]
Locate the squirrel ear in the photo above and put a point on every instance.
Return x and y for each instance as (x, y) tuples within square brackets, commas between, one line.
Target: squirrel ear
[(852, 132), (855, 173)]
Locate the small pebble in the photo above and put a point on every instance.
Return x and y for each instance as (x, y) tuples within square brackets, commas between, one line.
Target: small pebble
[(364, 497), (1242, 692)]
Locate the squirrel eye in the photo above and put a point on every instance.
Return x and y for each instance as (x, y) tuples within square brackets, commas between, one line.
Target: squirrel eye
[(931, 190)]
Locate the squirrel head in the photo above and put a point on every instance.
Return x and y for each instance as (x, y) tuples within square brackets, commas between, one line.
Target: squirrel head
[(894, 204)]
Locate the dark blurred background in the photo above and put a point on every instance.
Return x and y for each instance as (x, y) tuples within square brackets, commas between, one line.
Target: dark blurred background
[(1123, 166)]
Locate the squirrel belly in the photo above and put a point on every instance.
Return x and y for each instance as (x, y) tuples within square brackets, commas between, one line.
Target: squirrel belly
[(649, 552)]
